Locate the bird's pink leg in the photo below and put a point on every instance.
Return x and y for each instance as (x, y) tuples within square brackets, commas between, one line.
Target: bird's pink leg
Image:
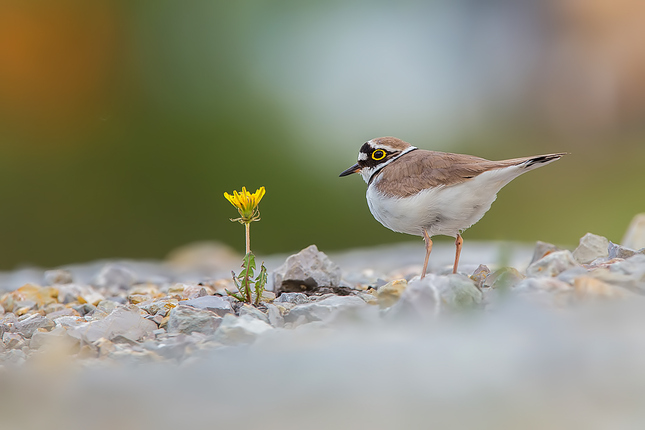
[(458, 244), (428, 241)]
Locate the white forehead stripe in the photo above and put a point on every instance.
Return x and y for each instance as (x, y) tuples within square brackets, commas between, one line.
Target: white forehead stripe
[(381, 146), (362, 156)]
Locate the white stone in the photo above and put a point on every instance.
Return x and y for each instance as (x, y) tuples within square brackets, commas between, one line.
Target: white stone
[(243, 329), (591, 247)]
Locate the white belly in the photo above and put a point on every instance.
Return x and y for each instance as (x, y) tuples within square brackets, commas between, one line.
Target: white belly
[(443, 210)]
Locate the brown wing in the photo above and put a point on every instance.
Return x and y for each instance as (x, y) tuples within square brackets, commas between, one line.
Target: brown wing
[(421, 169)]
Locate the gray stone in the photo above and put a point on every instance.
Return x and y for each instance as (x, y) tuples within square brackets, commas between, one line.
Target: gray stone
[(323, 309), (480, 274), (275, 316), (635, 236), (424, 299), (41, 338), (543, 249), (244, 329), (159, 307), (295, 298), (13, 340), (29, 325), (58, 277), (390, 293), (590, 248), (125, 321), (115, 275), (217, 304), (506, 277), (187, 319), (307, 270), (618, 251), (552, 264), (252, 311), (107, 306)]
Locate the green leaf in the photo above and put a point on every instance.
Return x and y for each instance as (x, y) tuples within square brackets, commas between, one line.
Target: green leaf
[(260, 282), (236, 295)]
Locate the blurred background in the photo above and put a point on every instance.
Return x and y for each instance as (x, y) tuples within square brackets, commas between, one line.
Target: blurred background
[(122, 123)]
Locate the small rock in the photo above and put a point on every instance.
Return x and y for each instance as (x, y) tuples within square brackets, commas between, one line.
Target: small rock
[(324, 309), (159, 307), (591, 247), (84, 309), (542, 249), (187, 292), (125, 321), (107, 306), (307, 271), (480, 274), (115, 275), (506, 277), (295, 298), (56, 336), (389, 293), (187, 319), (30, 295), (425, 298), (29, 325), (58, 276), (618, 251), (13, 340), (275, 316), (243, 329), (552, 264), (217, 304), (252, 311), (635, 236)]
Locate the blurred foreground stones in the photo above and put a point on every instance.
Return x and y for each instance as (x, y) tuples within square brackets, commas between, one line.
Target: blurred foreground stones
[(534, 340)]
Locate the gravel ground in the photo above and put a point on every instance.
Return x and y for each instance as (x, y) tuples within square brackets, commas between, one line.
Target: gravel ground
[(525, 336)]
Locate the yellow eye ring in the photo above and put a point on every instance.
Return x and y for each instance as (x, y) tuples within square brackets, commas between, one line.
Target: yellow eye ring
[(379, 154)]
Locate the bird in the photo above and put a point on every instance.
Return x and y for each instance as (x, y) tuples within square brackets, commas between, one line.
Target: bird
[(427, 193)]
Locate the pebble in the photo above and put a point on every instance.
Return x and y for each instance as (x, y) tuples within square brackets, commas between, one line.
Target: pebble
[(306, 271), (552, 264), (506, 277), (295, 298), (591, 247), (219, 305), (125, 321), (390, 293), (252, 311), (542, 249), (239, 330), (187, 319), (323, 309)]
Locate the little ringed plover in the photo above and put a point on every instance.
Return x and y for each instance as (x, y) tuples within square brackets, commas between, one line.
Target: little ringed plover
[(428, 193)]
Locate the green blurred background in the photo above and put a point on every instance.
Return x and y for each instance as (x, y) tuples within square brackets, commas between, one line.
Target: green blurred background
[(122, 123)]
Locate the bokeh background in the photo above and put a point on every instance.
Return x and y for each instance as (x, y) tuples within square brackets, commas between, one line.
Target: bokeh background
[(122, 123)]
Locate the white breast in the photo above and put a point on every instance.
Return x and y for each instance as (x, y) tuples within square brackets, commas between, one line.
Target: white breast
[(441, 210)]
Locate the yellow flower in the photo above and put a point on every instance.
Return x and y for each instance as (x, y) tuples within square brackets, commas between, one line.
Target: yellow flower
[(246, 204)]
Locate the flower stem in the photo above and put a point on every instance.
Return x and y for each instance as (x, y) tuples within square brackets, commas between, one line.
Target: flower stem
[(247, 226)]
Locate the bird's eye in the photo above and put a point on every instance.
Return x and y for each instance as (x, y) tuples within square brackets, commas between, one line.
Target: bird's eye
[(377, 155)]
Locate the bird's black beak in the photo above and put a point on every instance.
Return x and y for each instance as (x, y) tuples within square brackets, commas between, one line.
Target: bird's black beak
[(354, 169)]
